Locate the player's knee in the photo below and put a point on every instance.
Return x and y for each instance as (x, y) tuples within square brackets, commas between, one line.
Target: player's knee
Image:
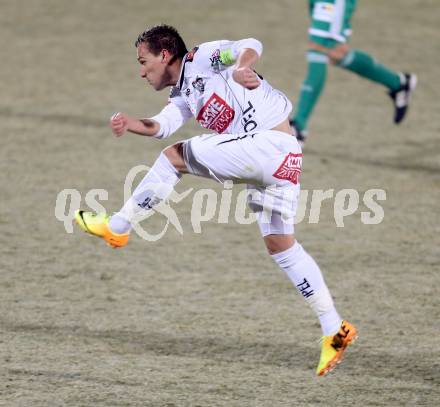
[(338, 53), (278, 243), (174, 153)]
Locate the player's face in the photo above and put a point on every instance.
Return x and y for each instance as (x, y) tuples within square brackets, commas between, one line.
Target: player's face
[(153, 67)]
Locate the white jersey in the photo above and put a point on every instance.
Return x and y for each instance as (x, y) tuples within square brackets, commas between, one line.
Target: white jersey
[(207, 91)]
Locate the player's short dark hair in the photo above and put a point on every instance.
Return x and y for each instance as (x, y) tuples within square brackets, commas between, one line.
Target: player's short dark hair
[(163, 37)]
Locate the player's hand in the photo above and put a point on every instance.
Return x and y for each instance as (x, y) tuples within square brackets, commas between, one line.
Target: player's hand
[(119, 124), (246, 77)]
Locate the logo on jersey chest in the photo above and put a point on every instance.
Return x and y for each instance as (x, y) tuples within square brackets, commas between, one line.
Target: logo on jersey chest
[(324, 12), (216, 61), (290, 169), (216, 114), (199, 84)]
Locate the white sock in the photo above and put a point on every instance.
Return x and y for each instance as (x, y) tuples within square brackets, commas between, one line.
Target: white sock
[(156, 186), (307, 278)]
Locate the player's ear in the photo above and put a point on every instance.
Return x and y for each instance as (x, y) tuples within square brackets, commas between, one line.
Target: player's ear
[(167, 57)]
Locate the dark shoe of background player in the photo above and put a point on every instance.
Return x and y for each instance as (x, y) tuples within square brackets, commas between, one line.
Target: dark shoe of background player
[(300, 135), (402, 95)]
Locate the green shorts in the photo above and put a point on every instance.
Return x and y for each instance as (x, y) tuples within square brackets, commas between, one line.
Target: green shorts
[(330, 21)]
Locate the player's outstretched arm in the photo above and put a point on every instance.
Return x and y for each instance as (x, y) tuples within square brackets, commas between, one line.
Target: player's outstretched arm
[(120, 123)]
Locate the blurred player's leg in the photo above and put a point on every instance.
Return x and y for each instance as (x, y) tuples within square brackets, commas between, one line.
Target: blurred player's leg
[(364, 65), (329, 26), (329, 33), (310, 91), (399, 85)]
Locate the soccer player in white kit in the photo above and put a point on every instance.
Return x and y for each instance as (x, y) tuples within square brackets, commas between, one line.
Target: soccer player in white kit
[(252, 143)]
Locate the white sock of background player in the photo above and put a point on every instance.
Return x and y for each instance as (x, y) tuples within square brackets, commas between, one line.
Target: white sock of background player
[(307, 278), (155, 187)]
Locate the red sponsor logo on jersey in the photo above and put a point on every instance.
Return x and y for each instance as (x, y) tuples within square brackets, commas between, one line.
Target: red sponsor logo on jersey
[(216, 114), (290, 169)]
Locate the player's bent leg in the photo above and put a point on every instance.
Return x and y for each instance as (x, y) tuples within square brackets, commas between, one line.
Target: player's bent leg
[(278, 243), (338, 53), (174, 153), (400, 85), (366, 66), (154, 188)]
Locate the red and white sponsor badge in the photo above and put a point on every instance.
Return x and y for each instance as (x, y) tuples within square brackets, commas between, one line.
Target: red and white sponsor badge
[(216, 114), (290, 169)]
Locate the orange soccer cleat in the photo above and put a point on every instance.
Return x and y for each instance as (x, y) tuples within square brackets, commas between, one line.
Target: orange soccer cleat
[(98, 225), (333, 347)]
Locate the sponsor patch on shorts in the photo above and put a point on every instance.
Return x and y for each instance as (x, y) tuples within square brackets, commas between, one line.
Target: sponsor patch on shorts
[(216, 114), (290, 169)]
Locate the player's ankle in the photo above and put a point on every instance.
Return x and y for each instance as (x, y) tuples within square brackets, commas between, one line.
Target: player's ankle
[(118, 225)]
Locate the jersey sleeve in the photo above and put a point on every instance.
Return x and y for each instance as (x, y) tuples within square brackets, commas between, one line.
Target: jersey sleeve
[(229, 50), (217, 54), (173, 116)]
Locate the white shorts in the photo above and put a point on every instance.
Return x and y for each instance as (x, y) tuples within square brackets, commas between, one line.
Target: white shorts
[(268, 161)]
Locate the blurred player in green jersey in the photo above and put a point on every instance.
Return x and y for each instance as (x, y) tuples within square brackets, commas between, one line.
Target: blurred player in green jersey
[(329, 32)]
